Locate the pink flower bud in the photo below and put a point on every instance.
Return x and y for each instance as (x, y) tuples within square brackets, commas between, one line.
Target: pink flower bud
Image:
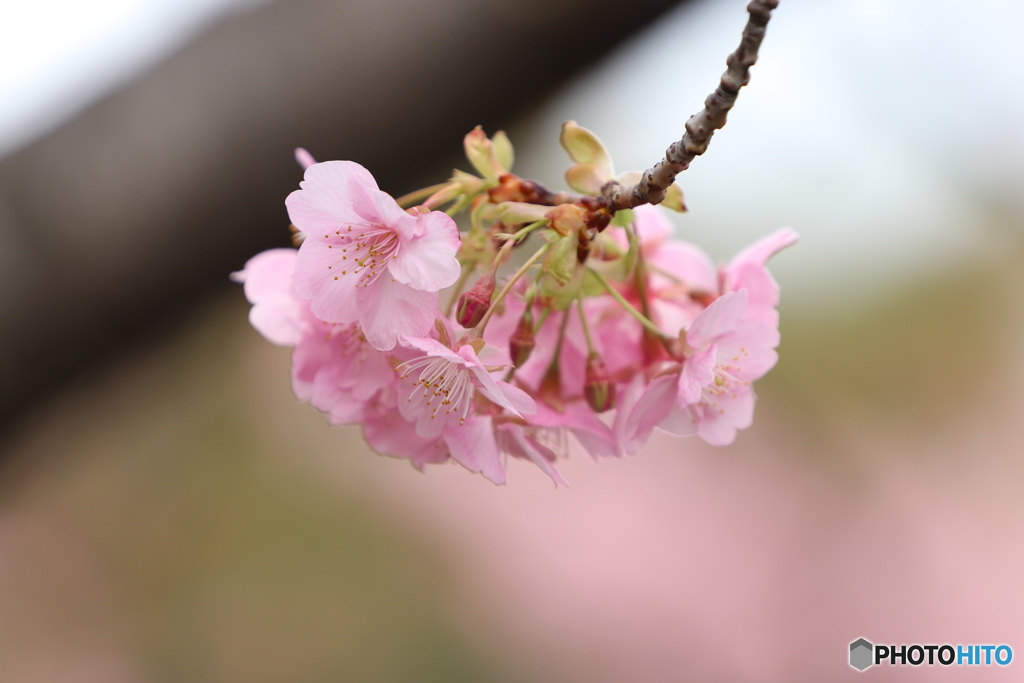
[(521, 343), (598, 387), (474, 303)]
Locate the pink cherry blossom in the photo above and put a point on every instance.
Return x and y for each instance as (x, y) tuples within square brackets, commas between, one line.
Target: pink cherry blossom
[(341, 372), (441, 385), (333, 366), (525, 441), (747, 271), (481, 443), (389, 433), (276, 313), (364, 260), (710, 393), (684, 279), (578, 419)]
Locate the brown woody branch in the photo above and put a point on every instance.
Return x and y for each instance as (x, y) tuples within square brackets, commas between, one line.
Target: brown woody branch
[(702, 125)]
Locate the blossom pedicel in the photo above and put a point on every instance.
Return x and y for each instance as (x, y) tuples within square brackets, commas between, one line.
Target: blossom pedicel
[(606, 315)]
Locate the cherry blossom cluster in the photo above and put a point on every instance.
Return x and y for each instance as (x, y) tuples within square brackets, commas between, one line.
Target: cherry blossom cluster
[(550, 315)]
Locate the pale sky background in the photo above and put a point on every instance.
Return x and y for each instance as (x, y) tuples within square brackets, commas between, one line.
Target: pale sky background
[(59, 56)]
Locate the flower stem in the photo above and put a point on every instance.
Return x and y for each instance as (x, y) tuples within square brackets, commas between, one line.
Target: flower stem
[(586, 327), (553, 366), (446, 193), (520, 235), (413, 197), (640, 317), (496, 302)]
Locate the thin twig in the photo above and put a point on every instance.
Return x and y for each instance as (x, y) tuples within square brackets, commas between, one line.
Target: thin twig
[(702, 125), (478, 331)]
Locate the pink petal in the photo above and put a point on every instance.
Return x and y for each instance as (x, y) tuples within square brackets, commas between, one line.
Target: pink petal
[(653, 406), (521, 446), (388, 434), (698, 372), (324, 202), (311, 354), (276, 313), (681, 421), (303, 158), (339, 403), (320, 276), (652, 226), (503, 394), (762, 291), (721, 317), (280, 321), (718, 425), (432, 347), (267, 274), (389, 310), (427, 260), (472, 445), (688, 263), (593, 435), (379, 208), (749, 352), (628, 396), (760, 251)]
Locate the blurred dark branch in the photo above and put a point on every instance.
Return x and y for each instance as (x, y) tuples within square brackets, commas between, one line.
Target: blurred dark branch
[(125, 216), (702, 125)]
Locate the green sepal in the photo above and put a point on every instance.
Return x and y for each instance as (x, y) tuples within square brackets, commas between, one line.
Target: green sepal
[(623, 217), (562, 296), (503, 150), (561, 261), (619, 269), (514, 213)]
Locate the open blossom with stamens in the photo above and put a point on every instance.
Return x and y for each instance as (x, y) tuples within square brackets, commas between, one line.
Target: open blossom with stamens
[(710, 393), (442, 385), (685, 280), (364, 260)]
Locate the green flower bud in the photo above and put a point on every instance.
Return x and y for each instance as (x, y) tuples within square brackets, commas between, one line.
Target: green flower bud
[(598, 387)]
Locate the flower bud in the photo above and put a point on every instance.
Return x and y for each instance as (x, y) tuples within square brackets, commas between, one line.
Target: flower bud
[(474, 303), (481, 153), (598, 387), (593, 167), (567, 218), (583, 146), (521, 343)]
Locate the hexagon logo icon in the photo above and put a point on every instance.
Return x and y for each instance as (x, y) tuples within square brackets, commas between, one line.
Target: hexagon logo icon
[(861, 652)]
